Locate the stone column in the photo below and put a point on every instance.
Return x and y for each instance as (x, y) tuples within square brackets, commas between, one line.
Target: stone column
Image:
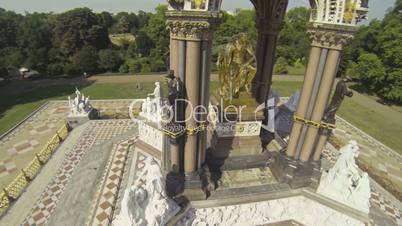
[(326, 45), (193, 30), (204, 97), (305, 96), (320, 104), (174, 145), (193, 96), (322, 140), (174, 56), (269, 22)]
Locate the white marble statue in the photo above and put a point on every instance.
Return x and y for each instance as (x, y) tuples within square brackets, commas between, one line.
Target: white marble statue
[(146, 202), (152, 108), (345, 183), (80, 105)]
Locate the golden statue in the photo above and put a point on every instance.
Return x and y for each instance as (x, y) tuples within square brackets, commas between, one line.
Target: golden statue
[(349, 12), (198, 3), (237, 67)]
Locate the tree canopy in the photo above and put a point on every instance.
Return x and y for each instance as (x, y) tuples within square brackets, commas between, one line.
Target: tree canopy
[(79, 40), (374, 57)]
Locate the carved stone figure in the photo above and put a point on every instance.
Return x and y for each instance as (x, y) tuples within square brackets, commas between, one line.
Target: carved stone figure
[(146, 202), (340, 92), (174, 88), (344, 182), (237, 67), (80, 105), (152, 107)]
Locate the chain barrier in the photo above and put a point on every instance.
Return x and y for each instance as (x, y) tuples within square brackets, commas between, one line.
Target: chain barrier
[(318, 125)]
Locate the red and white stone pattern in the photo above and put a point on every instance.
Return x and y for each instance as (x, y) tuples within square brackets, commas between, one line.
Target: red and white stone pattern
[(109, 188), (49, 198)]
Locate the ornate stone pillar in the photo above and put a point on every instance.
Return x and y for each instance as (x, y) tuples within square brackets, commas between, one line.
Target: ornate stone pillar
[(193, 77), (320, 103), (305, 96), (193, 32), (331, 25), (269, 22), (174, 145)]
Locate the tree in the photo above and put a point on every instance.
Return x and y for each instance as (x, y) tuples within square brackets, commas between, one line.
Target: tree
[(110, 60), (134, 66), (55, 69), (144, 43), (369, 69), (157, 32), (11, 57), (35, 40), (8, 29), (86, 60), (374, 57), (293, 42), (77, 28), (106, 19), (3, 71), (122, 26), (281, 66)]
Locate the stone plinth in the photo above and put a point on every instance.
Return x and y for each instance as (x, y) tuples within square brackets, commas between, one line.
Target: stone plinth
[(296, 173), (151, 134), (79, 119)]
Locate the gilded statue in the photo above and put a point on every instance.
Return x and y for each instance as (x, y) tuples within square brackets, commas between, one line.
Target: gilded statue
[(237, 67), (198, 3)]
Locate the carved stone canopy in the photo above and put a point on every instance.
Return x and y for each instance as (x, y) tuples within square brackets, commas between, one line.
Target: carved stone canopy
[(341, 12), (270, 15)]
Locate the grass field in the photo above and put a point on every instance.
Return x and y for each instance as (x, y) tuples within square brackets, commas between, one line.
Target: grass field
[(296, 70), (381, 122)]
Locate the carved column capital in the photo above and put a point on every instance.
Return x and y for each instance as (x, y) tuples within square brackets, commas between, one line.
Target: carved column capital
[(330, 37), (192, 26), (270, 15), (189, 30)]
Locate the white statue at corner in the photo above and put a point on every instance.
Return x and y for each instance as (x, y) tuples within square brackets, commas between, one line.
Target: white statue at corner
[(80, 105), (152, 109), (146, 202), (345, 183)]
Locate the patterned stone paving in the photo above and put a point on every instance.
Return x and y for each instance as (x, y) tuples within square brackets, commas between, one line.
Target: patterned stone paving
[(110, 192), (19, 146), (110, 185), (47, 202)]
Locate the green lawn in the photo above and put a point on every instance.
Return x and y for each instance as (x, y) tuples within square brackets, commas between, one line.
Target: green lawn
[(364, 113), (296, 70), (384, 126)]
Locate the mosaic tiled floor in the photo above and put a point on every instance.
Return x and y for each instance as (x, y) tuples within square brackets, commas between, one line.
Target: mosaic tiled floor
[(51, 195), (20, 146), (106, 205), (109, 188)]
